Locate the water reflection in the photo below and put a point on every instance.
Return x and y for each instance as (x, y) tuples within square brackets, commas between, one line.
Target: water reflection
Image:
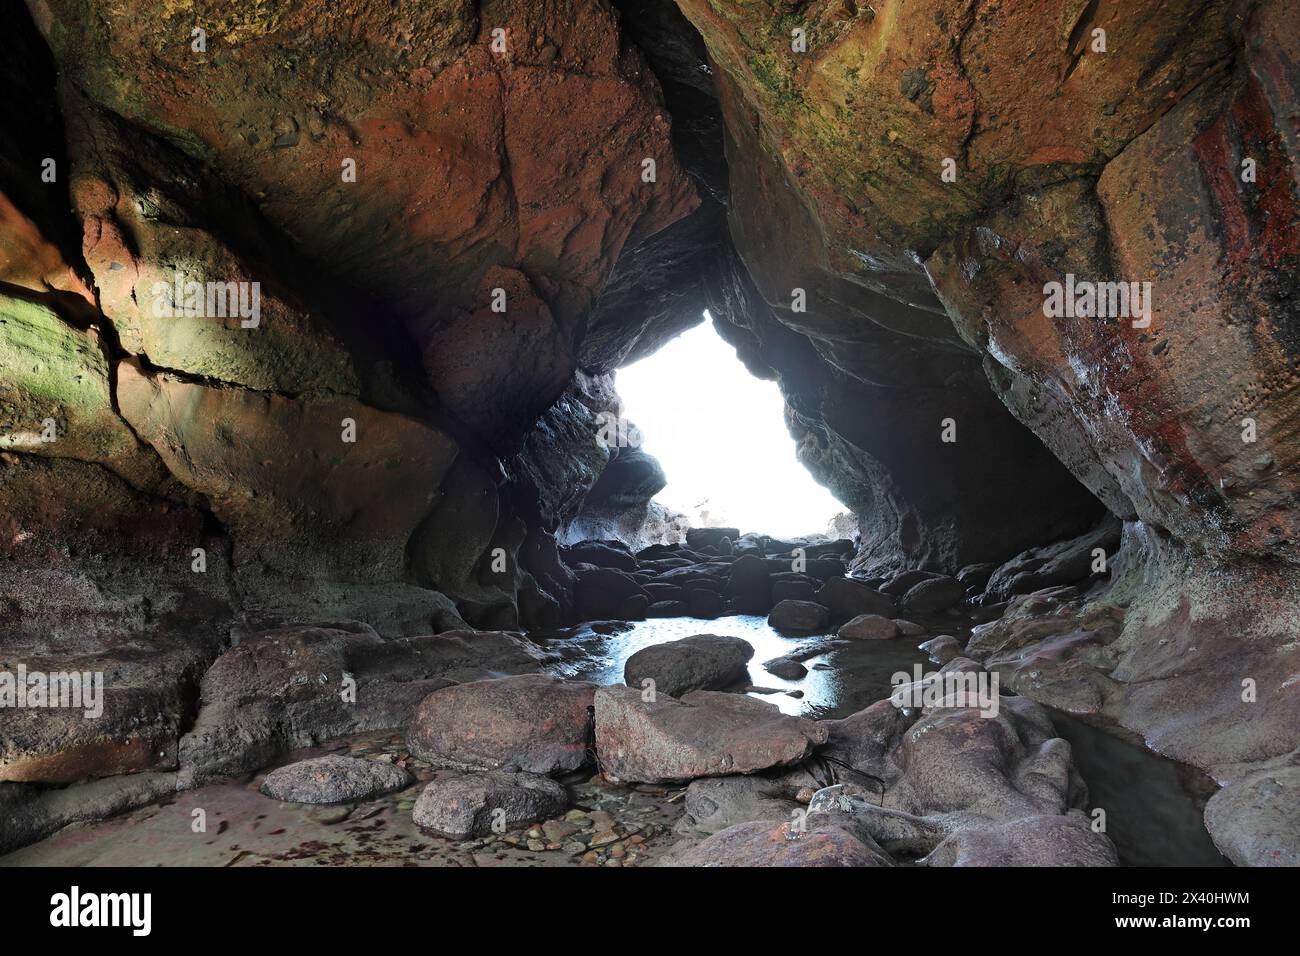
[(843, 677)]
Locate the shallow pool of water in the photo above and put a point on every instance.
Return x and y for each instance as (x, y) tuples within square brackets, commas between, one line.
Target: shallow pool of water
[(1153, 805), (841, 680)]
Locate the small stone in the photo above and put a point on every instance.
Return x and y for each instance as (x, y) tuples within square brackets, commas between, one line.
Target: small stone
[(604, 837), (575, 847), (785, 667), (328, 815), (537, 846), (558, 830)]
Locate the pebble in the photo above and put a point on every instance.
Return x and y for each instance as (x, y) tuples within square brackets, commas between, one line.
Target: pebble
[(328, 815), (558, 830)]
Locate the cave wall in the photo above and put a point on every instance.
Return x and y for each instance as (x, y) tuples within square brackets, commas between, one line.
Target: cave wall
[(1112, 156), (373, 443)]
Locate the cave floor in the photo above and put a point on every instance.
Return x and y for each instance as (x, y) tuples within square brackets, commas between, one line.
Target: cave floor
[(611, 825), (245, 828)]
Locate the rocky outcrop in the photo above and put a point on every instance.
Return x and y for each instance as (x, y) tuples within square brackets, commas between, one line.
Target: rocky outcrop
[(293, 687)]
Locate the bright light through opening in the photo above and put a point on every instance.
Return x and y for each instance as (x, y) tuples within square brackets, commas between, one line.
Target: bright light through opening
[(720, 435)]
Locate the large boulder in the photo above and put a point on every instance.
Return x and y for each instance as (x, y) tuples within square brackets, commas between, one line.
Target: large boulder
[(798, 617), (334, 779), (601, 592), (846, 598), (933, 595), (705, 734), (460, 805), (532, 722), (702, 662)]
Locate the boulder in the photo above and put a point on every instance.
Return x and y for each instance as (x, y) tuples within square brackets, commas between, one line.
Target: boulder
[(1030, 841), (748, 581), (710, 537), (704, 603), (1255, 821), (942, 649), (665, 592), (282, 688), (864, 740), (793, 590), (460, 805), (635, 607), (934, 595), (601, 554), (668, 609), (763, 844), (334, 779), (869, 627), (798, 617), (901, 583), (600, 592), (846, 598), (533, 723), (705, 734), (701, 662), (715, 803)]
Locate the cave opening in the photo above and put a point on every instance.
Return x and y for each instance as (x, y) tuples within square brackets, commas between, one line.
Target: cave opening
[(718, 433)]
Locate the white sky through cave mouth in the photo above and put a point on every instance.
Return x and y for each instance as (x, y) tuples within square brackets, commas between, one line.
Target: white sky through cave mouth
[(720, 435)]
